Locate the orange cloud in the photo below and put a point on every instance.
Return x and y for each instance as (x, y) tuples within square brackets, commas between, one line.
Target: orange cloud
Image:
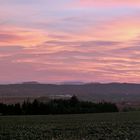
[(122, 29), (26, 37)]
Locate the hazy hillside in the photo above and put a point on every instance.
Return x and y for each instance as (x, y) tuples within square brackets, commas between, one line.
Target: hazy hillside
[(96, 91)]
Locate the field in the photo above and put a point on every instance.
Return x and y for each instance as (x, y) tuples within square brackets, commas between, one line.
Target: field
[(110, 126)]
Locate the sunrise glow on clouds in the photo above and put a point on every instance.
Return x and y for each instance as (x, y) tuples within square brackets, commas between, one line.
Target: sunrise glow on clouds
[(70, 40), (108, 3)]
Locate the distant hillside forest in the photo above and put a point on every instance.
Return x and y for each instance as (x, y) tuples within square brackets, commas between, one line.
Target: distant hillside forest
[(111, 92), (56, 106)]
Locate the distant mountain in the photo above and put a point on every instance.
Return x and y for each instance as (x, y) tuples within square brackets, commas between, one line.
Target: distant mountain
[(30, 82), (92, 91), (72, 83)]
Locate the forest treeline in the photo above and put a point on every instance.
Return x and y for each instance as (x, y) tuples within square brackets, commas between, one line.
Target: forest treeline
[(56, 106)]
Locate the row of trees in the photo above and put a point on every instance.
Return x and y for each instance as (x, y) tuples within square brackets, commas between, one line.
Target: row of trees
[(59, 106)]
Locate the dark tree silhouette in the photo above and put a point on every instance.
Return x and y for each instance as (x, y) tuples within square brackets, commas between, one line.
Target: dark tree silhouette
[(60, 106)]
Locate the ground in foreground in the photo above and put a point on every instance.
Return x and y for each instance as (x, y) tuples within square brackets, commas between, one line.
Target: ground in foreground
[(109, 126)]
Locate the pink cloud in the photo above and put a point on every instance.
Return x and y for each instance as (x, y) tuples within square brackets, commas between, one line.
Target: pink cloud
[(109, 3), (12, 35), (108, 51)]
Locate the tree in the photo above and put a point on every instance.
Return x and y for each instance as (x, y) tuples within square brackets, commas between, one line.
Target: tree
[(74, 100)]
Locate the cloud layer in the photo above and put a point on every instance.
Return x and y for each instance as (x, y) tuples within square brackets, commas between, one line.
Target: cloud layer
[(82, 40)]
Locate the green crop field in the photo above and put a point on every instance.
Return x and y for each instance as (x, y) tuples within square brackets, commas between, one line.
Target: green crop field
[(110, 126)]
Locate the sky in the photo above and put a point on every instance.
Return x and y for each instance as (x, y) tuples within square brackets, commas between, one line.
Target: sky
[(70, 40)]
